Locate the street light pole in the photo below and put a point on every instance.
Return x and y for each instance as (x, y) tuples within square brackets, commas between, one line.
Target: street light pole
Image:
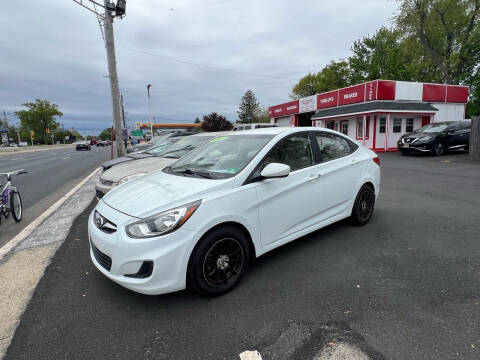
[(112, 70), (149, 109)]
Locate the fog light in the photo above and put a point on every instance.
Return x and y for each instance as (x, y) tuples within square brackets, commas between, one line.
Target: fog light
[(145, 271)]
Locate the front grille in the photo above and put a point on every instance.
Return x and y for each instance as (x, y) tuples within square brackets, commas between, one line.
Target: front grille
[(102, 259)]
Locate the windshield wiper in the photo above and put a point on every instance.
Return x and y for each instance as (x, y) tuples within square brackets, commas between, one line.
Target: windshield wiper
[(174, 151), (193, 172)]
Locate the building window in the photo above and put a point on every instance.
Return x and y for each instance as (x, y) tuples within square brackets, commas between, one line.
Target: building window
[(330, 124), (409, 127), (397, 126), (382, 126), (345, 127), (360, 128)]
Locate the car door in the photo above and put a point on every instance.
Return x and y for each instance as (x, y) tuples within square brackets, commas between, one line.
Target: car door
[(288, 205), (339, 169)]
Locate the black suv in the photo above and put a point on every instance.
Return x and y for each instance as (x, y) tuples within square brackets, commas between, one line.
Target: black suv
[(436, 138)]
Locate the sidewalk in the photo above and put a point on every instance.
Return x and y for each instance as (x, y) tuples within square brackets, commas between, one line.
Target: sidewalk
[(24, 265), (26, 149)]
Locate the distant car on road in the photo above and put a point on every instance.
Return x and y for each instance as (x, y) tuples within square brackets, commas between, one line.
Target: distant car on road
[(154, 159), (83, 145), (203, 219), (436, 138)]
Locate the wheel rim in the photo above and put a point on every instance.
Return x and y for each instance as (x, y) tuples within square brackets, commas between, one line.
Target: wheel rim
[(17, 207), (365, 205), (439, 149), (223, 262)]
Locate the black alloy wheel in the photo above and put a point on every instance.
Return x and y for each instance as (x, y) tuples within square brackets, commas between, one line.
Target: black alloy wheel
[(363, 207), (439, 149), (219, 261)]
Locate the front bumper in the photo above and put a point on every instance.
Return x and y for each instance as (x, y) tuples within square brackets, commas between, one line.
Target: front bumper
[(169, 254), (414, 147), (101, 188)]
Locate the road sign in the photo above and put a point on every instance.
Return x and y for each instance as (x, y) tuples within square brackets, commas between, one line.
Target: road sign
[(137, 133)]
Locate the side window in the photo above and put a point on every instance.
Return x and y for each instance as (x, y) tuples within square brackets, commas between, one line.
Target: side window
[(332, 146), (382, 126), (295, 151)]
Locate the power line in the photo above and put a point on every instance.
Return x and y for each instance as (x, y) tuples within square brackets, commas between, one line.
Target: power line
[(211, 67)]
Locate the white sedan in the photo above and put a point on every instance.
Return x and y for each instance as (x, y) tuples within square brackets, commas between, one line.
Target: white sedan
[(202, 220)]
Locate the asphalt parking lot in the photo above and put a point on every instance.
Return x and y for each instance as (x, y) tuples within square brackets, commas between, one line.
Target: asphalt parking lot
[(405, 286)]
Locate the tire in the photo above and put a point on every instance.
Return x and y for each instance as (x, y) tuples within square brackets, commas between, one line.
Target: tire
[(439, 149), (363, 206), (16, 207), (211, 271)]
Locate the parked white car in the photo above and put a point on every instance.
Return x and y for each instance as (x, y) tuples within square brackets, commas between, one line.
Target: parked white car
[(202, 220)]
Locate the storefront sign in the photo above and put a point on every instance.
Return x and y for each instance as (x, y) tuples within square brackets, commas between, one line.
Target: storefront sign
[(308, 104), (278, 110), (291, 107), (326, 100), (371, 91), (351, 95)]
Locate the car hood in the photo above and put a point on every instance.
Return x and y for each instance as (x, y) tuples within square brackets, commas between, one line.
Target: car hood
[(417, 134), (145, 165), (160, 191)]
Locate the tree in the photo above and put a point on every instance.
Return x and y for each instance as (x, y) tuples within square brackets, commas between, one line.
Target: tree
[(448, 30), (333, 76), (262, 116), (39, 118), (216, 122), (106, 134), (249, 108), (197, 121), (389, 55)]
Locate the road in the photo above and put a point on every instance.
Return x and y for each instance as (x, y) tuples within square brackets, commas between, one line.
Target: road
[(51, 174), (405, 286)]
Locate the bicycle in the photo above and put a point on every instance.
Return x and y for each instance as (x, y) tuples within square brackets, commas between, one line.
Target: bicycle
[(10, 200)]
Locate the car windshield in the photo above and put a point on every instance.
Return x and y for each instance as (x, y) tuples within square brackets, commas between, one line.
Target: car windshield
[(181, 147), (433, 128), (222, 157), (161, 146)]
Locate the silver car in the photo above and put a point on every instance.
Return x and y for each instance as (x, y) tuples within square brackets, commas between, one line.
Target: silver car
[(161, 158)]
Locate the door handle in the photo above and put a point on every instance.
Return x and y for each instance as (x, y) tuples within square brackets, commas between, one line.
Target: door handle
[(313, 177), (355, 162)]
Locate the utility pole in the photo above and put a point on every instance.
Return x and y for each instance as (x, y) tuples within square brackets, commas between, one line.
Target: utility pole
[(124, 121), (112, 72), (105, 22)]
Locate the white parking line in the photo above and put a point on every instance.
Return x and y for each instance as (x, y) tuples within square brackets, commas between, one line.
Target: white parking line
[(65, 158), (5, 249)]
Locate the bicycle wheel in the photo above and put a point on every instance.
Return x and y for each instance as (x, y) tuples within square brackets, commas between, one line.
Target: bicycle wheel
[(16, 205)]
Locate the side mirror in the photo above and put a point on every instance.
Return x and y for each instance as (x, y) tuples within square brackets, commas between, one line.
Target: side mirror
[(275, 170)]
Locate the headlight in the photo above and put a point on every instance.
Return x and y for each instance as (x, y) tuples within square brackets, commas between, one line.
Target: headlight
[(162, 223), (130, 177)]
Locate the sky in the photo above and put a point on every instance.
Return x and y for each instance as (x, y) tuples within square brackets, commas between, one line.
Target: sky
[(199, 56)]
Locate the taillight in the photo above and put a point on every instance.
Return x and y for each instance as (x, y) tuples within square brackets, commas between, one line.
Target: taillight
[(376, 160)]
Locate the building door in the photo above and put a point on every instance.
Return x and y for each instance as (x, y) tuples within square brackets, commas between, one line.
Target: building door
[(425, 120)]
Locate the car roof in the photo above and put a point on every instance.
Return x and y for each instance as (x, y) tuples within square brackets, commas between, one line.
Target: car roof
[(280, 130)]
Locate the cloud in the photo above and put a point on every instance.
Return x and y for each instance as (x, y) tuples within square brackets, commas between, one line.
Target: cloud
[(53, 50)]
